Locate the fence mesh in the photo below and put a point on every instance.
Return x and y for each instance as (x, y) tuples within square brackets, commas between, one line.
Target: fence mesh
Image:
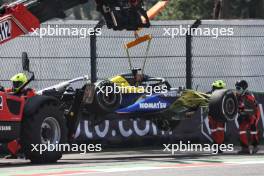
[(58, 58), (166, 56), (231, 58), (52, 58)]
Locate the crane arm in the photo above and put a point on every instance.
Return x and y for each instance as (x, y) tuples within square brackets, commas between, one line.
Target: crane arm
[(24, 16)]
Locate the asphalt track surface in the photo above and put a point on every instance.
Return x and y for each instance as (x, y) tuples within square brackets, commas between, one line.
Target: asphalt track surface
[(145, 162)]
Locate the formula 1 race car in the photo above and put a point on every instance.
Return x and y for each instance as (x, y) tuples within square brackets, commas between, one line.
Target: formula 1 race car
[(120, 97), (137, 95), (164, 108)]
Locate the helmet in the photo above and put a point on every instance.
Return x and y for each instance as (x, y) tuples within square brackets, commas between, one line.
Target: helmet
[(18, 81), (218, 84), (241, 85)]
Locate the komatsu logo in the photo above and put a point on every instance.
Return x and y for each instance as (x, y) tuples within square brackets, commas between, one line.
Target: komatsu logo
[(158, 105), (1, 103), (5, 30), (5, 128)]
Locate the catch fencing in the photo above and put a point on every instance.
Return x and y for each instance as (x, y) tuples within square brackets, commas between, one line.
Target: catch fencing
[(203, 60)]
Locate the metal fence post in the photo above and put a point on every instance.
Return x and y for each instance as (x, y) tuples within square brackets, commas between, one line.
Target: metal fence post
[(93, 53), (189, 54), (93, 58)]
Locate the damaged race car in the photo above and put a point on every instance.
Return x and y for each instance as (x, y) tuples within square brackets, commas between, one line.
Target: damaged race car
[(125, 100), (165, 108), (137, 95)]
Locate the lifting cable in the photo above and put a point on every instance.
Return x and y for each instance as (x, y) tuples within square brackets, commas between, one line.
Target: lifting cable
[(136, 42)]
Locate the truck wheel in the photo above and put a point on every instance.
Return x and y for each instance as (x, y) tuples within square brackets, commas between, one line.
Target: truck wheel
[(45, 128), (223, 105), (106, 100)]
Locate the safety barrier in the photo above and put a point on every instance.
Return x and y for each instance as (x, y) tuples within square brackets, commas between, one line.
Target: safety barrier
[(138, 132)]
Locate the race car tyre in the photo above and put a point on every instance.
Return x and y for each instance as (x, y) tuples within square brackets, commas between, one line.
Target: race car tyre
[(107, 98), (41, 132), (223, 105)]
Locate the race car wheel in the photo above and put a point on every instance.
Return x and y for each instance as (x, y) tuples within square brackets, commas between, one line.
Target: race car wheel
[(107, 97), (43, 130), (223, 105)]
